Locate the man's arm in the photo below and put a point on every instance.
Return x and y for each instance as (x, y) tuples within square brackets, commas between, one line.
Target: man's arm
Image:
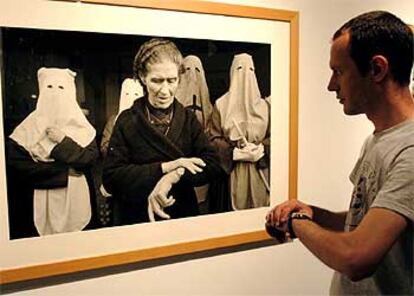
[(357, 253), (327, 219)]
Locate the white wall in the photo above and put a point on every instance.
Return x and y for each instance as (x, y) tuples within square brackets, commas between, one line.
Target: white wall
[(328, 146)]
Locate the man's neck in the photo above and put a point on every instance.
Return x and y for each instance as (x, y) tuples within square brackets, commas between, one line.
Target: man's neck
[(396, 106)]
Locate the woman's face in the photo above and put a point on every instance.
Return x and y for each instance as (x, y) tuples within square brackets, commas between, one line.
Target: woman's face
[(161, 81)]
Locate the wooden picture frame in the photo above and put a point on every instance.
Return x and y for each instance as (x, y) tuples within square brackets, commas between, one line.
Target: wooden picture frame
[(190, 235)]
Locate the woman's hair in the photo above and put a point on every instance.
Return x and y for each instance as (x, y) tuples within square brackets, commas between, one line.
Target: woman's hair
[(154, 51)]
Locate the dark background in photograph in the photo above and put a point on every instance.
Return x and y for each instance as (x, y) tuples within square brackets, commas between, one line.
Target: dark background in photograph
[(102, 61)]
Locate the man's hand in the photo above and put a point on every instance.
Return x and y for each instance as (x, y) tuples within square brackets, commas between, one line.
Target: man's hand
[(194, 165), (159, 199), (278, 216)]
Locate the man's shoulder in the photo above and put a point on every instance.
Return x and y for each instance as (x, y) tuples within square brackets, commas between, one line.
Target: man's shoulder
[(400, 136)]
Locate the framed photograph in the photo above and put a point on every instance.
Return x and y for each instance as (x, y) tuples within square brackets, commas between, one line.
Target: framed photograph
[(99, 51)]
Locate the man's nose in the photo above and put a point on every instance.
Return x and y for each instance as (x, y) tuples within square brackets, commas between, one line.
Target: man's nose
[(332, 85)]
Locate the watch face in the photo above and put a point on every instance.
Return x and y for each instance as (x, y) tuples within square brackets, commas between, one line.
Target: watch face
[(297, 215)]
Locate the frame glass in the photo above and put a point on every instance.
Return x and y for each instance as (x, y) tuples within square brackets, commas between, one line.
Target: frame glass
[(24, 259)]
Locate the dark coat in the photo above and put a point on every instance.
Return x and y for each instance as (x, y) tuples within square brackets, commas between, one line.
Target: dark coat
[(24, 175), (133, 164)]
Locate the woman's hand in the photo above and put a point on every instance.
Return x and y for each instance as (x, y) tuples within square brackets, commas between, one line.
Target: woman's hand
[(159, 199), (249, 153), (194, 165), (55, 134)]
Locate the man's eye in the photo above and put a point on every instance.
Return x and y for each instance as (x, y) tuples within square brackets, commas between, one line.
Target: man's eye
[(172, 80)]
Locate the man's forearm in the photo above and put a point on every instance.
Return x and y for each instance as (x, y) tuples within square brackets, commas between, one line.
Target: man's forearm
[(331, 247), (329, 220)]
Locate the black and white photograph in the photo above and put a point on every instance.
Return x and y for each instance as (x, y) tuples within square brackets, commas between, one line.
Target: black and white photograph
[(108, 129)]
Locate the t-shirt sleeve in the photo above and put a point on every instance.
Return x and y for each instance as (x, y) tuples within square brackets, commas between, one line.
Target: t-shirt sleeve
[(397, 193)]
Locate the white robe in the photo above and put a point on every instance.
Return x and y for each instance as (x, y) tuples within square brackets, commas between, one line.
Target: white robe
[(243, 104), (62, 209), (192, 89)]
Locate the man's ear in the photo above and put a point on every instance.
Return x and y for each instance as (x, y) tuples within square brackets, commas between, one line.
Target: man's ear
[(379, 67)]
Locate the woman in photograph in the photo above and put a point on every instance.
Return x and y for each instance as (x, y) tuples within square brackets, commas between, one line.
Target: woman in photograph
[(240, 130), (158, 150), (50, 157)]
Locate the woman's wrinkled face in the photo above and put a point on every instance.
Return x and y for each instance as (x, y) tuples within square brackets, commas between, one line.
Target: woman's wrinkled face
[(161, 82)]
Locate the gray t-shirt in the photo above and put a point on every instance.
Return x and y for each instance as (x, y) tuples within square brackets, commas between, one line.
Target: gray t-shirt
[(383, 177)]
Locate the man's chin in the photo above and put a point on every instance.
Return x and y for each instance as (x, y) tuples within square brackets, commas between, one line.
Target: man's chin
[(350, 112)]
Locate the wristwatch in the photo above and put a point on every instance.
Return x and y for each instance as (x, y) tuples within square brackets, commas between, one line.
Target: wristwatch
[(295, 215)]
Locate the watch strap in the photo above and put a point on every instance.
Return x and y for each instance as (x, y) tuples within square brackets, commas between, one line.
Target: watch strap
[(295, 215)]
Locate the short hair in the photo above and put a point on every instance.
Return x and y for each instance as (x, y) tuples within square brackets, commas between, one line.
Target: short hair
[(380, 32), (153, 51)]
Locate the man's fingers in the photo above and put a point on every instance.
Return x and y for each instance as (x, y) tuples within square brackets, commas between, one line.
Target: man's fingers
[(276, 215), (284, 214), (269, 217), (280, 214)]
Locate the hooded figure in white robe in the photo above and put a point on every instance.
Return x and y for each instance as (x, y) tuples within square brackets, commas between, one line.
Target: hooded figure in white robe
[(240, 128), (131, 90), (192, 93), (63, 209)]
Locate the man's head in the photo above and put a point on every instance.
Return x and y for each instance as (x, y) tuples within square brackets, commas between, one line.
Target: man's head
[(366, 51), (380, 33)]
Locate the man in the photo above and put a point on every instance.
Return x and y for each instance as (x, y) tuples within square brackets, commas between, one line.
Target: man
[(371, 245)]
